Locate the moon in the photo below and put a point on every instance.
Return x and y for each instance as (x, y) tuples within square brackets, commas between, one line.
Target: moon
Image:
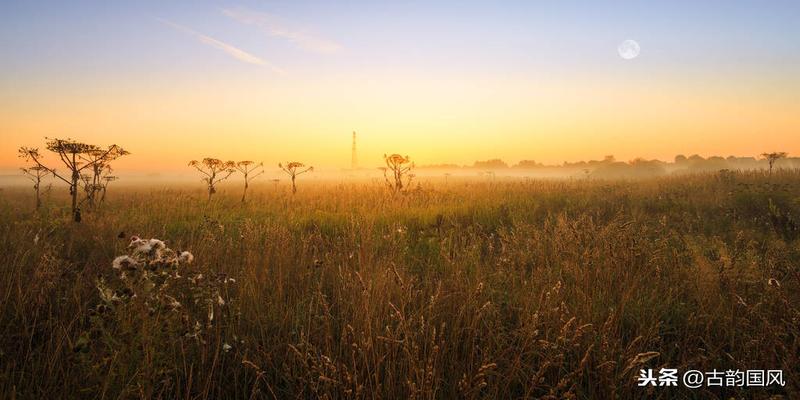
[(628, 49)]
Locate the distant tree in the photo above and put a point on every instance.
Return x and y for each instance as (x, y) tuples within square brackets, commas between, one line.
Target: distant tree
[(215, 171), (439, 166), (528, 164), (77, 157), (494, 163), (247, 168), (696, 158), (773, 157), (35, 174), (680, 159), (609, 159), (293, 169), (400, 168)]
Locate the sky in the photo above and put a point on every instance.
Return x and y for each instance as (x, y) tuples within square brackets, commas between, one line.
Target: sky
[(443, 82)]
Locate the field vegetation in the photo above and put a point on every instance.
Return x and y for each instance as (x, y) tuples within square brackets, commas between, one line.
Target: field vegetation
[(473, 289)]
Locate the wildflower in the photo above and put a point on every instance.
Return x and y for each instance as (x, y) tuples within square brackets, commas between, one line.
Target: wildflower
[(226, 347), (773, 282), (220, 300), (139, 245), (134, 239), (151, 247), (157, 244), (185, 258), (124, 263)]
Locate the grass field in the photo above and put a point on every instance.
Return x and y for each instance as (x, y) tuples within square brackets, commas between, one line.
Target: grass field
[(518, 289)]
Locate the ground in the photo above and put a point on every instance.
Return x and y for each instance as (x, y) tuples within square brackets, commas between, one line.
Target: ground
[(469, 289)]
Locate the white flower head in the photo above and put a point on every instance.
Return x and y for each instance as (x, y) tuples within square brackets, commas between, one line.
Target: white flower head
[(185, 257), (124, 262), (139, 245), (150, 247), (157, 244), (135, 242)]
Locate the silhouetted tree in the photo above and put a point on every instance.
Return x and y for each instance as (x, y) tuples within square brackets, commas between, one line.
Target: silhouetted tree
[(77, 157), (528, 164), (247, 168), (400, 167), (215, 171), (773, 157), (293, 169), (494, 163)]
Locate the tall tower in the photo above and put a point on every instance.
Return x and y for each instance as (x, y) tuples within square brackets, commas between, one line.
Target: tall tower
[(354, 158)]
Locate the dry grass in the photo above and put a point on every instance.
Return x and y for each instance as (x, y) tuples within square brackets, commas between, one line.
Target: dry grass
[(540, 289)]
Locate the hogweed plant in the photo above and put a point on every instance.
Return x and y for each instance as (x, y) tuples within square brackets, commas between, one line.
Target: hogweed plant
[(76, 157), (94, 185), (250, 170), (35, 174), (106, 180), (215, 171), (293, 169), (773, 157), (399, 167), (94, 181)]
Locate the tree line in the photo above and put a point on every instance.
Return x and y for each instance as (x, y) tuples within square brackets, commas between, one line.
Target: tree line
[(694, 163)]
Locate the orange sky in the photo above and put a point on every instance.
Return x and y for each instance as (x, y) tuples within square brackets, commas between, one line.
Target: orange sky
[(236, 84), (434, 120)]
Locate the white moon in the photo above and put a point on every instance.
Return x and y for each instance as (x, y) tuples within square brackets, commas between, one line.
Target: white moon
[(628, 49)]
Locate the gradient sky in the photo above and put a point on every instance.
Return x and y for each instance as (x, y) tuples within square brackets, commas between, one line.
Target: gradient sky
[(446, 82)]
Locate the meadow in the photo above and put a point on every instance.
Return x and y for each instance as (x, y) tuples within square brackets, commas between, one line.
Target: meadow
[(471, 289)]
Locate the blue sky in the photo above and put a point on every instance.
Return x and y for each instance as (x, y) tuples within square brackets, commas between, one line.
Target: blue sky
[(502, 36)]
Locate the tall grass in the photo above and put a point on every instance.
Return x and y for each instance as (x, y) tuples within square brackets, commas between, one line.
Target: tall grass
[(519, 289)]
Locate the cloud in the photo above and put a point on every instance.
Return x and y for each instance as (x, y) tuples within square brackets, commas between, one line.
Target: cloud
[(232, 51), (274, 27)]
